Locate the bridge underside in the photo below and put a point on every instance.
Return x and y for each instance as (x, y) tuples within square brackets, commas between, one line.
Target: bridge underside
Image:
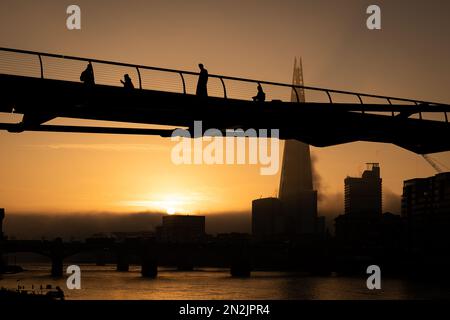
[(318, 124)]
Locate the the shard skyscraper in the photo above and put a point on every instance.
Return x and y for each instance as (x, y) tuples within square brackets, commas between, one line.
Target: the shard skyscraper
[(297, 193)]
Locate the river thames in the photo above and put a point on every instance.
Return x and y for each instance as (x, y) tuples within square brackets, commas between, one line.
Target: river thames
[(105, 283)]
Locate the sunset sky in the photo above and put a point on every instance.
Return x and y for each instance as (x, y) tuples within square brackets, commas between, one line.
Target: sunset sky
[(64, 173)]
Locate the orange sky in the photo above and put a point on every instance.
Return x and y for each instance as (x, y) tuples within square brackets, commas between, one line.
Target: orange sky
[(48, 172)]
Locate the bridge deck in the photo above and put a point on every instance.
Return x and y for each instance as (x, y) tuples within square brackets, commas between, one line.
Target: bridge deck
[(317, 123)]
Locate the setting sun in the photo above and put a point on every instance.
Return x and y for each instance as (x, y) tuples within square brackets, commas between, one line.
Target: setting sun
[(170, 211), (168, 203)]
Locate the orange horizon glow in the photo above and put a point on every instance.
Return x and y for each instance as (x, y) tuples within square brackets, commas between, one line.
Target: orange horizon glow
[(64, 173)]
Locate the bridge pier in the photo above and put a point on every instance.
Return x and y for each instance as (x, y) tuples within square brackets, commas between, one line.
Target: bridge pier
[(184, 260), (241, 265), (57, 256), (240, 269), (100, 258), (2, 262), (149, 260), (57, 266), (149, 267), (123, 262)]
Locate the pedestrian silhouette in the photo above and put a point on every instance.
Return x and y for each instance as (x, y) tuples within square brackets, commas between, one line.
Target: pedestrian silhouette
[(87, 76), (260, 96), (127, 83), (202, 89)]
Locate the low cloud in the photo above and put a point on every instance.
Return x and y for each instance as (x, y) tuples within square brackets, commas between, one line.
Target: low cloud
[(391, 201), (81, 225), (104, 147)]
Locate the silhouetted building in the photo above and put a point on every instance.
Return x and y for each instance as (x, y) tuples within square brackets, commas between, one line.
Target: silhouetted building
[(101, 238), (360, 226), (232, 238), (384, 231), (296, 185), (321, 225), (2, 216), (357, 230), (181, 229), (268, 221), (363, 196), (392, 230), (426, 210), (2, 261), (122, 236)]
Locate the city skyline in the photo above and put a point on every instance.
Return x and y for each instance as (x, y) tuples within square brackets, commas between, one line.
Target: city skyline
[(224, 158), (83, 225)]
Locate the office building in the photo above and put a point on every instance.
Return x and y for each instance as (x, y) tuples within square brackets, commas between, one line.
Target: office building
[(268, 222), (363, 196), (296, 185), (360, 225), (426, 211), (2, 216), (181, 229)]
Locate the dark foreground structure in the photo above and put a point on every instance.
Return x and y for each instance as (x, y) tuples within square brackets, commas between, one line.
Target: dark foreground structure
[(42, 97)]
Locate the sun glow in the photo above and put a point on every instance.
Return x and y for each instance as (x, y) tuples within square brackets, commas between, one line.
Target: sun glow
[(170, 211), (170, 204)]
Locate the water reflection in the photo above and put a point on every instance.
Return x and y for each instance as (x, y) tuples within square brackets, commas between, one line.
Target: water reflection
[(103, 282)]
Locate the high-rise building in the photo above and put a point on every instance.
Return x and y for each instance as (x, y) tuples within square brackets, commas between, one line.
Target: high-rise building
[(181, 229), (2, 216), (360, 225), (268, 221), (296, 185), (363, 196), (2, 261), (426, 211)]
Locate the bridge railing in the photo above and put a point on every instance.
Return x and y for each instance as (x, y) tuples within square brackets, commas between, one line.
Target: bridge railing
[(69, 68)]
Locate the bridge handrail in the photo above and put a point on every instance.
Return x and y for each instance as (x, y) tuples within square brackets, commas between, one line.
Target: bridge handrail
[(220, 77)]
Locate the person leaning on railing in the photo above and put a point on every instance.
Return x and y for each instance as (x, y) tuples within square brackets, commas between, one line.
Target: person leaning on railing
[(260, 96)]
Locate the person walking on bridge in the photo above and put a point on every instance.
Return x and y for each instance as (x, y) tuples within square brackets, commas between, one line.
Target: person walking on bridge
[(202, 89), (127, 83), (87, 76)]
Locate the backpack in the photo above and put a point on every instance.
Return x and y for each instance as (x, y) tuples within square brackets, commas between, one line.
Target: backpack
[(83, 76)]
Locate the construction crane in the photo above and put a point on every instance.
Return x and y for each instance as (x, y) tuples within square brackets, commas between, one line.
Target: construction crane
[(438, 166)]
